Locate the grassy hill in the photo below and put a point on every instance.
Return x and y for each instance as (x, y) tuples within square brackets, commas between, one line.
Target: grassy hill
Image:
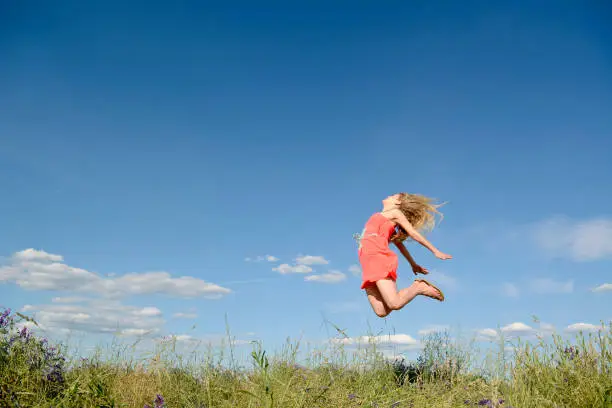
[(555, 374)]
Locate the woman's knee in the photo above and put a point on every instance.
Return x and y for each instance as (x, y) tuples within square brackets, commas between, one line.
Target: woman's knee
[(394, 303), (379, 309), (388, 292), (381, 312)]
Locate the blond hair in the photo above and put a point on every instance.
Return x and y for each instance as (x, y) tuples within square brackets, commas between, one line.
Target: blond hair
[(420, 211)]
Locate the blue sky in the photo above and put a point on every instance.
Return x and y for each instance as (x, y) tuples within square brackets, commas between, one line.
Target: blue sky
[(141, 145)]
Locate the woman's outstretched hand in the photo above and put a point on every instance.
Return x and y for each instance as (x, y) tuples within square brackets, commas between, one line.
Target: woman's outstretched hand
[(442, 255), (419, 269)]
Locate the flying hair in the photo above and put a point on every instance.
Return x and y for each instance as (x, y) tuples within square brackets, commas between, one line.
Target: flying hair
[(420, 211)]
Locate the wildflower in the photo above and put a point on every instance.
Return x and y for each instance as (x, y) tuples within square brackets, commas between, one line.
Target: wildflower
[(24, 333), (4, 320), (55, 375), (572, 352), (159, 401), (486, 402), (351, 396)]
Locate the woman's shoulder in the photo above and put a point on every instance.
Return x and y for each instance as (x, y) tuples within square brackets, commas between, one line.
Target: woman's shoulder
[(390, 215)]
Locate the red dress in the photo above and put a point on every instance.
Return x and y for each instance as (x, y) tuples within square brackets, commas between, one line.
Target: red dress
[(376, 258)]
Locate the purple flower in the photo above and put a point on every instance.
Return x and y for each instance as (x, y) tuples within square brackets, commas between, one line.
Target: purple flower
[(4, 317), (24, 334), (571, 352), (351, 396), (55, 376), (159, 401), (487, 402)]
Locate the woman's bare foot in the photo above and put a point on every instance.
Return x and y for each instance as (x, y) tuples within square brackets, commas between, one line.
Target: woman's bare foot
[(427, 289)]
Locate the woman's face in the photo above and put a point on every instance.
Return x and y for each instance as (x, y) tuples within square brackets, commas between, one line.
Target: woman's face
[(392, 201)]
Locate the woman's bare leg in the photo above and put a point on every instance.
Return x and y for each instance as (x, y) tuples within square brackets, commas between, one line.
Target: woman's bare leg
[(395, 300), (377, 302)]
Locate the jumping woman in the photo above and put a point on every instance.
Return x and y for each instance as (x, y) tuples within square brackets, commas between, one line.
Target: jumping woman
[(402, 216)]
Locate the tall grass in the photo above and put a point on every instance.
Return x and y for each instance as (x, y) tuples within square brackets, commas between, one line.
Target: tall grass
[(35, 373)]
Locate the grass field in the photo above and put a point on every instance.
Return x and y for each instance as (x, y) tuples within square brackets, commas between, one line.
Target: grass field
[(556, 373)]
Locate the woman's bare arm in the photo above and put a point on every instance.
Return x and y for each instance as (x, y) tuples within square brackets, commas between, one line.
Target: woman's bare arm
[(416, 268), (405, 252), (398, 217)]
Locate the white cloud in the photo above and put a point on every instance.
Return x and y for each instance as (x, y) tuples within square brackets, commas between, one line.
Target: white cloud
[(403, 340), (148, 311), (38, 270), (135, 332), (311, 260), (68, 299), (163, 283), (180, 338), (606, 287), (259, 258), (181, 315), (27, 324), (550, 286), (431, 329), (486, 334), (510, 290), (392, 356), (516, 329), (584, 327), (284, 269), (32, 254), (47, 275), (330, 277), (587, 240), (302, 265), (355, 270), (98, 316)]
